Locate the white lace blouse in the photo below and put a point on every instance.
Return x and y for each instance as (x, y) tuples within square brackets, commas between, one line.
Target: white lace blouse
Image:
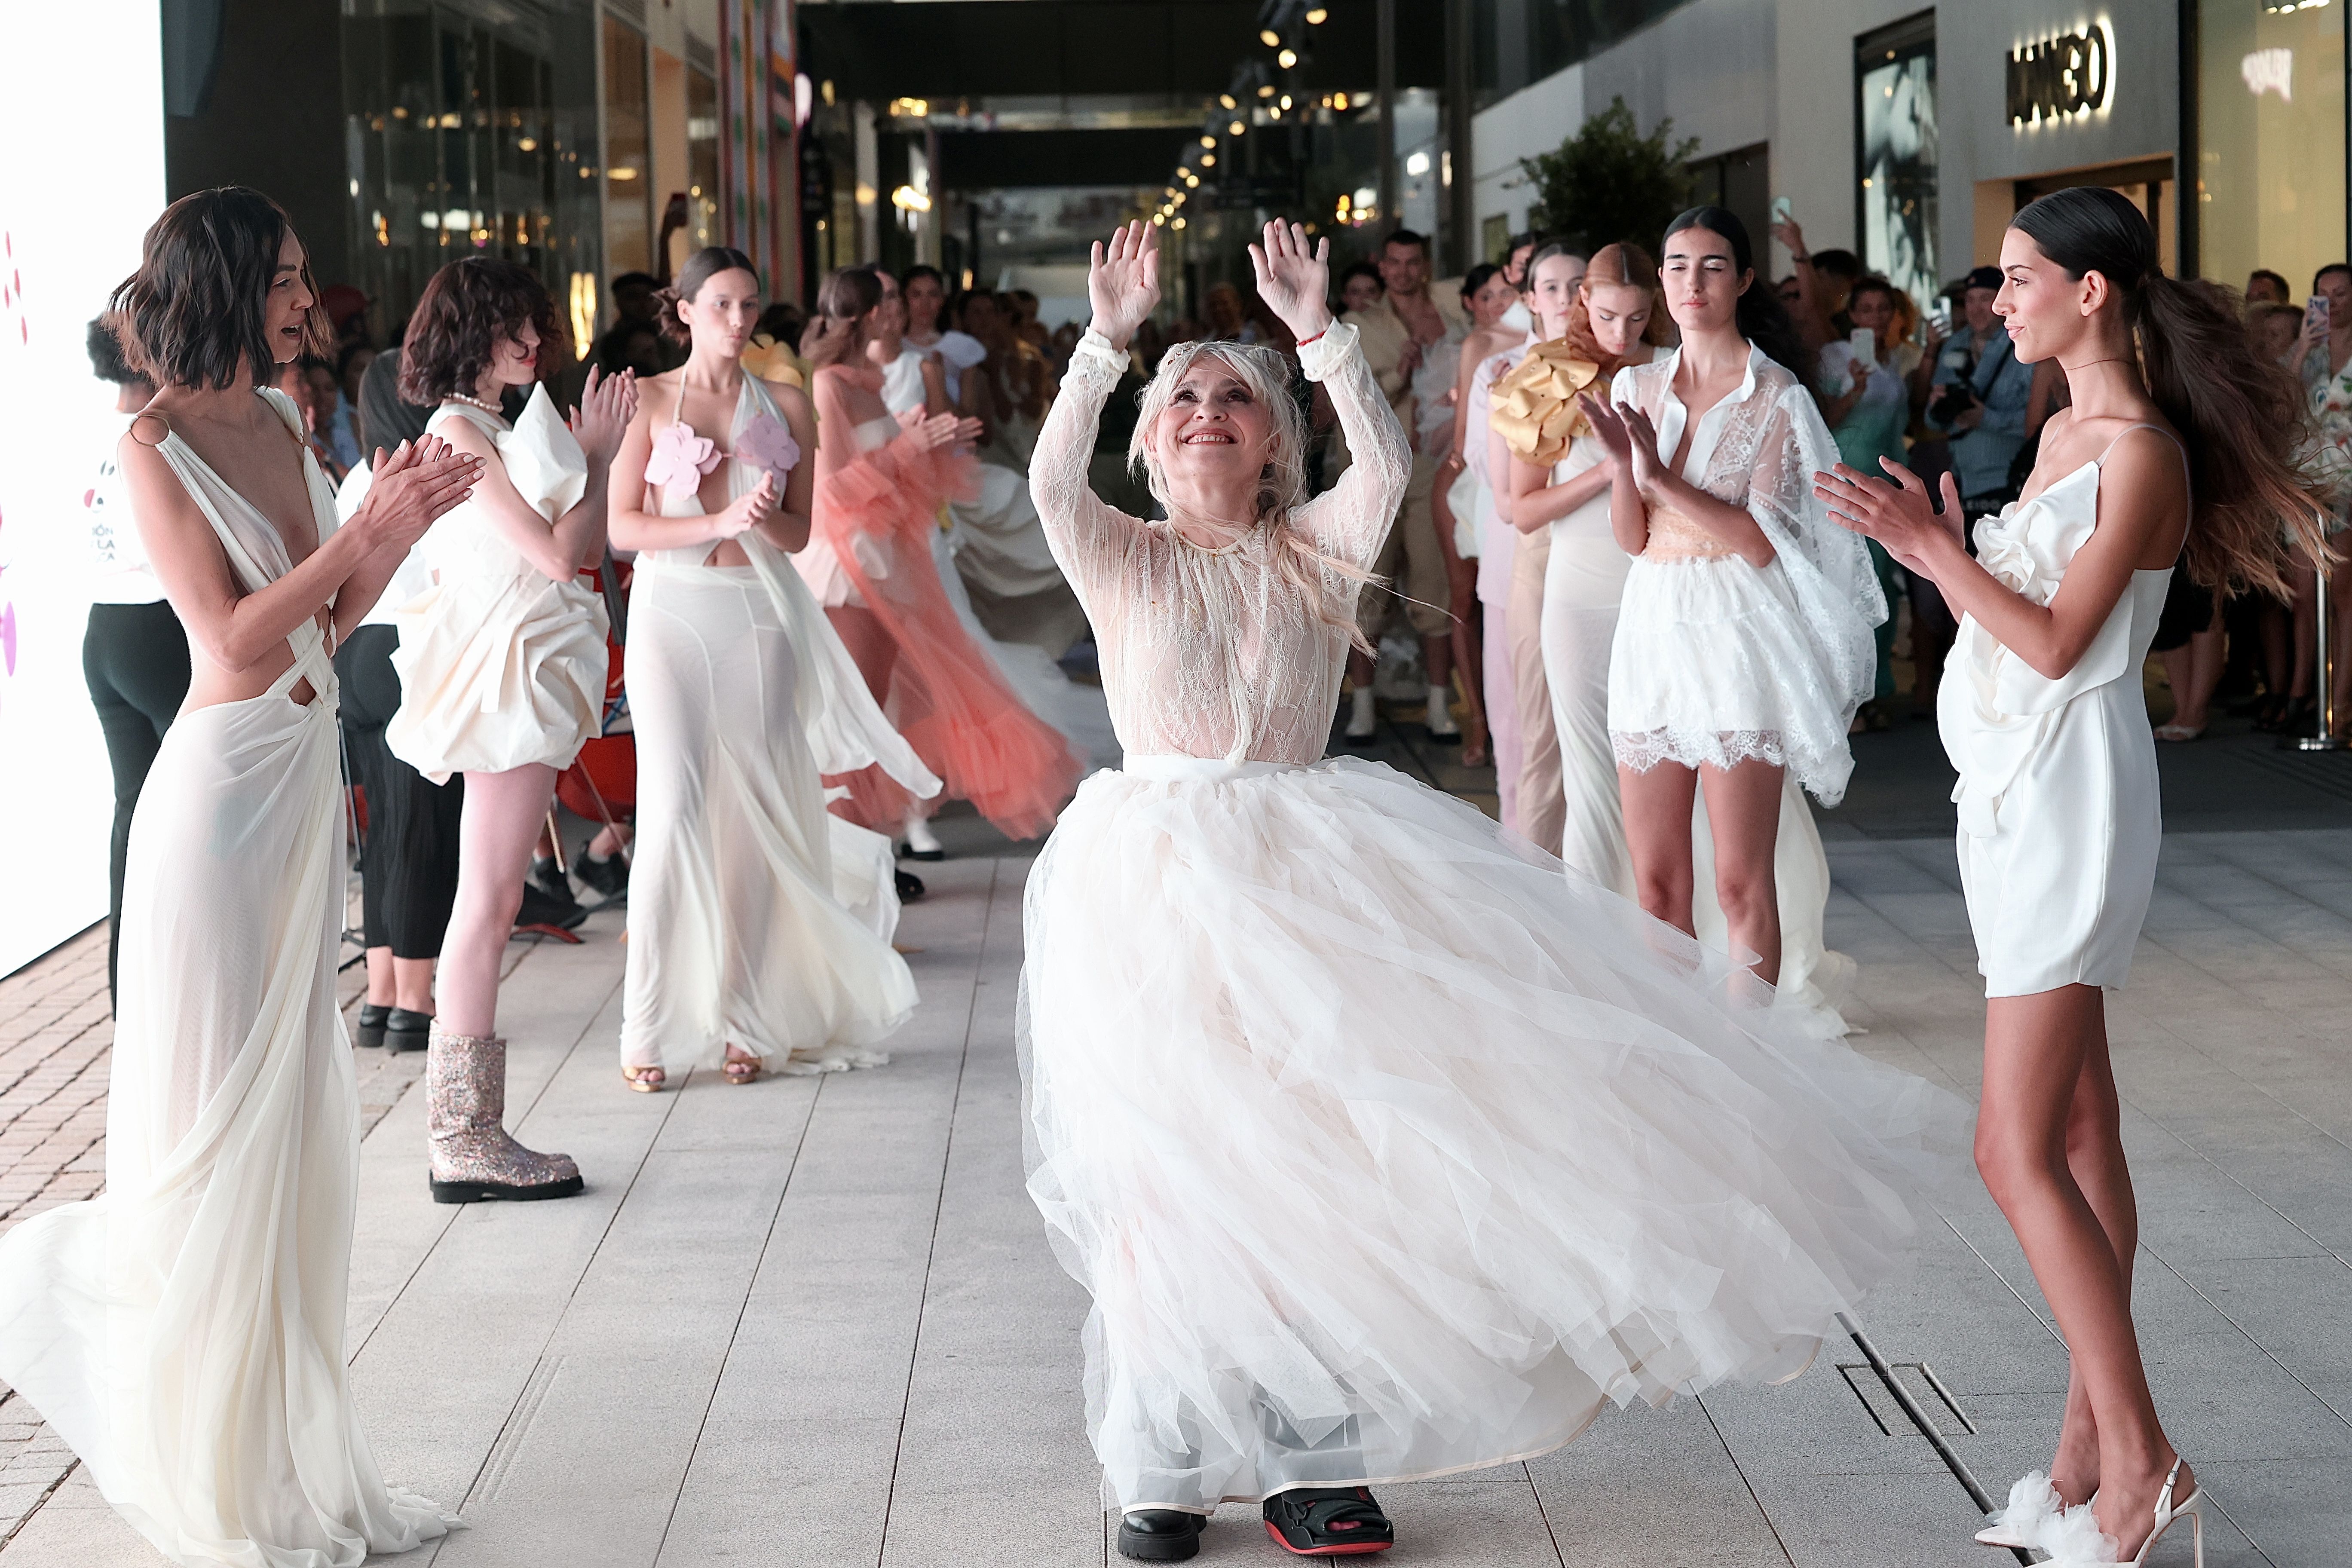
[(1214, 653)]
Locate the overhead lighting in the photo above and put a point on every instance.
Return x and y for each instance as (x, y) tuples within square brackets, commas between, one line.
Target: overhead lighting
[(1158, 218), (1267, 91), (1288, 59), (527, 144), (1225, 99), (1316, 18), (1208, 160), (906, 198), (865, 195), (1269, 37), (622, 173), (1285, 101), (1177, 223), (1236, 128), (1191, 180), (1208, 141)]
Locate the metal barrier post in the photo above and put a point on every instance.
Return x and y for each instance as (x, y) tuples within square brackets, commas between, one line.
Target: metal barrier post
[(2330, 737)]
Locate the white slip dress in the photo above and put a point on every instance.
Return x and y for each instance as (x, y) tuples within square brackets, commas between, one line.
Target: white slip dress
[(500, 665), (2060, 815), (183, 1330), (1717, 661), (1384, 1149), (756, 916)]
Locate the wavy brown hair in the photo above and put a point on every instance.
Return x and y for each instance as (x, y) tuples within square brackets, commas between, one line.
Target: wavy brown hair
[(2241, 417), (465, 307), (1625, 264), (198, 307)]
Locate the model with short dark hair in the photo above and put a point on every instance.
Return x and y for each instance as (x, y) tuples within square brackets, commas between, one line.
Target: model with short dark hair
[(2178, 445), (502, 667), (183, 1331)]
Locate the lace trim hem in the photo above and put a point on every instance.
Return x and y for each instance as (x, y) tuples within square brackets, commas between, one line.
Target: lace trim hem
[(1696, 748)]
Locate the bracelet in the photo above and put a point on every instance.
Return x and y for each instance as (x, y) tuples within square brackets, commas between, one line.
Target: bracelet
[(1316, 338)]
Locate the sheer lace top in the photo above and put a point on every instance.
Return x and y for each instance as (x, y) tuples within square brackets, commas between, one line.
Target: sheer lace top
[(1214, 653)]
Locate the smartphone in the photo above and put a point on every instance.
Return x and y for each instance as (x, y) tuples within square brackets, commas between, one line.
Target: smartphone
[(1864, 344), (1783, 209), (2315, 309), (1939, 315)]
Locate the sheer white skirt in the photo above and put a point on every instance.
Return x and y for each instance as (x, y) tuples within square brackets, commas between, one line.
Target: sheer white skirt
[(1386, 1150), (753, 912), (183, 1331)]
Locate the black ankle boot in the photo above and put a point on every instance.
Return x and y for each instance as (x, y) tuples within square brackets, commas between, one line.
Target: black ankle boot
[(1161, 1535), (910, 885), (370, 1032), (1328, 1521), (407, 1031)]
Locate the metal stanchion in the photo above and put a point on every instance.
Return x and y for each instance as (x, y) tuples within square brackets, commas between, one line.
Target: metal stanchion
[(2330, 737)]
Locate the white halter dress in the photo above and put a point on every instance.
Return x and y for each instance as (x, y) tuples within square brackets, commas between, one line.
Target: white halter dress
[(183, 1330), (500, 665), (756, 916), (2060, 820), (1384, 1149)]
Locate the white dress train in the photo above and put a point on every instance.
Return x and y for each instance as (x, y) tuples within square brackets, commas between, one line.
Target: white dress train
[(756, 916), (183, 1330), (1384, 1149)]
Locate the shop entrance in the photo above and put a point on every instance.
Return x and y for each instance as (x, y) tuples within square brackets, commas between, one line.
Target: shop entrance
[(2148, 182)]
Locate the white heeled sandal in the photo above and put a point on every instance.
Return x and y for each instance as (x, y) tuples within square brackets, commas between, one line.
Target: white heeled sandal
[(2075, 1541), (2034, 1504)]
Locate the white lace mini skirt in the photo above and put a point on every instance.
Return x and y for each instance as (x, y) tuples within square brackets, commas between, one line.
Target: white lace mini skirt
[(1711, 667)]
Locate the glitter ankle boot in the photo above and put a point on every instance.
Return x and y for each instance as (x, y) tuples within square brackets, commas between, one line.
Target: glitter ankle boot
[(473, 1160)]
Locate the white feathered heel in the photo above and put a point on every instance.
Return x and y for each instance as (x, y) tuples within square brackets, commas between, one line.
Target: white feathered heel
[(2075, 1541), (2033, 1505)]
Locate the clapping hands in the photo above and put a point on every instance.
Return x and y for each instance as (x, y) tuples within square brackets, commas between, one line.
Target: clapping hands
[(607, 404), (411, 486), (931, 430)]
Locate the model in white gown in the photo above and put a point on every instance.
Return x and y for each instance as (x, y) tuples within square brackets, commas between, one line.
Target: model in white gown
[(756, 916), (2060, 821), (1385, 1150), (183, 1330)]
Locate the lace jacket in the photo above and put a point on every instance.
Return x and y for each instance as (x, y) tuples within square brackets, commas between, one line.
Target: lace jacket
[(1214, 653)]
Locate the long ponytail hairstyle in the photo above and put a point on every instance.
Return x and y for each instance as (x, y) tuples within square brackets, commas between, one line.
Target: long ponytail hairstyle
[(1762, 319), (2240, 417)]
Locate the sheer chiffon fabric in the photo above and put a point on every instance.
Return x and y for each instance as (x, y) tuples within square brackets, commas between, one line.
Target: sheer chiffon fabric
[(755, 915), (500, 665), (875, 518), (1717, 661), (183, 1331), (1385, 1150)]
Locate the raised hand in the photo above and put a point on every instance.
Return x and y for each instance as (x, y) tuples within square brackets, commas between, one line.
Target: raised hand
[(1123, 281), (413, 485), (1294, 281), (930, 430), (607, 403), (1896, 510), (746, 512)]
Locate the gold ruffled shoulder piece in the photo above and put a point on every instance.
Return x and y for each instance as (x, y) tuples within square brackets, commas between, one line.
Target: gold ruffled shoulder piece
[(1534, 406)]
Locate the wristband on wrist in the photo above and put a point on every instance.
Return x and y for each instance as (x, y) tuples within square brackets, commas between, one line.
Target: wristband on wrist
[(1316, 338)]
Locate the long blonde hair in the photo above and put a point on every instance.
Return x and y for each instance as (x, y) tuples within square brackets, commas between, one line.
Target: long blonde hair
[(1281, 483)]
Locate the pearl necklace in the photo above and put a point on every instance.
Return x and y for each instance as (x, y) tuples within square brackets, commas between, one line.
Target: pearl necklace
[(489, 408)]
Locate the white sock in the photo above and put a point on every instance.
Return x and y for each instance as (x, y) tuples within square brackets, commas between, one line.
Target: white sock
[(919, 837), (1361, 721), (1440, 709)]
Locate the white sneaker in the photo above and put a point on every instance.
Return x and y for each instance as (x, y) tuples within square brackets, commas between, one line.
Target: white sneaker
[(1441, 726), (1362, 721), (921, 843)]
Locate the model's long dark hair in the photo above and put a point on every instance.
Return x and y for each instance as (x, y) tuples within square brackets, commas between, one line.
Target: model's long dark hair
[(1761, 319), (2240, 417)]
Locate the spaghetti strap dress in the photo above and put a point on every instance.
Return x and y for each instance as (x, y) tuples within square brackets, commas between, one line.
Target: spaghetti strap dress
[(500, 665), (2059, 816), (183, 1330), (756, 916), (1384, 1149)]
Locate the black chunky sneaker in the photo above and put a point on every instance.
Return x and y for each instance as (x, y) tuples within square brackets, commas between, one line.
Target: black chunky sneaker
[(910, 885), (1161, 1535), (370, 1032), (609, 877), (407, 1031), (1329, 1521)]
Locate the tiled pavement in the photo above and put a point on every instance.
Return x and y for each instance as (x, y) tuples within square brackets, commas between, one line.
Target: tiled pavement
[(816, 1322)]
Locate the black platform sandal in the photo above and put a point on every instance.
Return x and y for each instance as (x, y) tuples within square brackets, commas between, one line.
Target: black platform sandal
[(407, 1031), (370, 1032), (1161, 1535), (1329, 1521)]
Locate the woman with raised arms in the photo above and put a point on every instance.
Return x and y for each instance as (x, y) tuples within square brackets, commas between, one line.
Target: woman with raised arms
[(1339, 1232), (183, 1330), (744, 951), (2178, 433)]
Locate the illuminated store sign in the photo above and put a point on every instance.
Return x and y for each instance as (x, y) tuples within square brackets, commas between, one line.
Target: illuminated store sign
[(2071, 74)]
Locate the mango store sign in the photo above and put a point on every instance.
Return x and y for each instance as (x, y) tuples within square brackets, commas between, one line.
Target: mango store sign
[(2062, 78), (82, 108)]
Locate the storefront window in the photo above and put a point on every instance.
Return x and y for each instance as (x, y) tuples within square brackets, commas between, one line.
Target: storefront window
[(629, 162), (702, 156), (1896, 153), (2270, 138)]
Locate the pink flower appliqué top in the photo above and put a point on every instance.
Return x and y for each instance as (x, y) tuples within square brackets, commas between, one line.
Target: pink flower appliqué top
[(767, 445), (680, 459)]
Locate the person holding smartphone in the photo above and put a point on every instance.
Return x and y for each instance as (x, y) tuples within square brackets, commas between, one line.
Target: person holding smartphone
[(1979, 398), (1863, 398)]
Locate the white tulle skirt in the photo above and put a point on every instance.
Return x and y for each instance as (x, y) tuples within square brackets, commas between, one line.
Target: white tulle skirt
[(1387, 1152)]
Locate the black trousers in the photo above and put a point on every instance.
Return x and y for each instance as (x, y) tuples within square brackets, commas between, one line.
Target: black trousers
[(408, 859), (134, 659)]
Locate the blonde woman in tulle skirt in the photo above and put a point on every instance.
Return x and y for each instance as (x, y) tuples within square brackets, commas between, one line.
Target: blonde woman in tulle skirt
[(1385, 1150)]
